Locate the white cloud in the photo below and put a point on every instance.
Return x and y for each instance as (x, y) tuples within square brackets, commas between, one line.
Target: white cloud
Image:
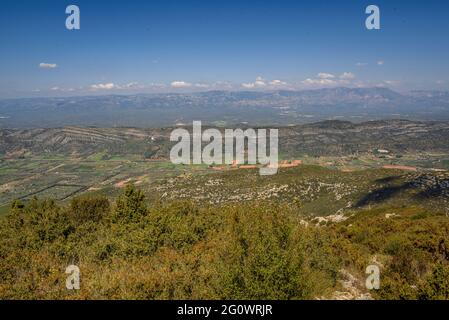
[(323, 82), (329, 79), (260, 82), (104, 86), (180, 84), (278, 83), (248, 85), (361, 64), (44, 65), (322, 79), (56, 88), (324, 75), (347, 76), (380, 63)]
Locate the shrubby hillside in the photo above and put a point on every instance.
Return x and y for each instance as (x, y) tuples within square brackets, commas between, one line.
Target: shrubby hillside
[(132, 248)]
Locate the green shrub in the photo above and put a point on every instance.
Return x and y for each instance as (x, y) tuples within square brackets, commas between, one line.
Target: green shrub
[(436, 285), (88, 208), (130, 206)]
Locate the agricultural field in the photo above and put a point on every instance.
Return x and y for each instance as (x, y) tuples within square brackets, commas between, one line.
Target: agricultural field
[(335, 183), (62, 178)]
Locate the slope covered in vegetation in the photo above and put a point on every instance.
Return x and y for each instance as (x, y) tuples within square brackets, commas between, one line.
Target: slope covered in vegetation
[(132, 248)]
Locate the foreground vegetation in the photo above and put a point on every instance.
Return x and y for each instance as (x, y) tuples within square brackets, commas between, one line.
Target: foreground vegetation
[(139, 249)]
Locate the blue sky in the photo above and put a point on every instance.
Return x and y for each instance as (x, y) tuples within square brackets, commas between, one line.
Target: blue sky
[(157, 46)]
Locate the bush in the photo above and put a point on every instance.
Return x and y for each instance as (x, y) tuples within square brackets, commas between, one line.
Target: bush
[(436, 286), (180, 250), (88, 208), (130, 205)]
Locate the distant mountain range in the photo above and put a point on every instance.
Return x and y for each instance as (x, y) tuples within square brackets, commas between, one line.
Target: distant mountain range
[(225, 108)]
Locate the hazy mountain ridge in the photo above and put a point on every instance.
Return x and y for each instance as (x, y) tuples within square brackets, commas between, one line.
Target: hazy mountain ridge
[(231, 107)]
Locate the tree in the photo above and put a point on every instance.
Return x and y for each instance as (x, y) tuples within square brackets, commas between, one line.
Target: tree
[(130, 205), (88, 208)]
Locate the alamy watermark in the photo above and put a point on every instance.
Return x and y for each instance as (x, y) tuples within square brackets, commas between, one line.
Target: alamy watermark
[(73, 21), (72, 282), (372, 22), (189, 149), (373, 280)]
